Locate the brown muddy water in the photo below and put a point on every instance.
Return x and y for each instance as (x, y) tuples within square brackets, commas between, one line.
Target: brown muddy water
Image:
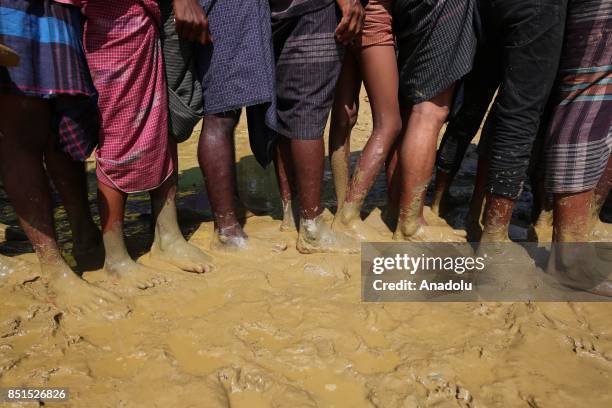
[(287, 330)]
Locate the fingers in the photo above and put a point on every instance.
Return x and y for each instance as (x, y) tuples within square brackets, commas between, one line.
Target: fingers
[(351, 24), (205, 37), (341, 30), (356, 23), (191, 23)]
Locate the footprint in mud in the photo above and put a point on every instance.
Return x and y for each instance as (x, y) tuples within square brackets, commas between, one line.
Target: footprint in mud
[(588, 347), (10, 327), (437, 390), (245, 386), (405, 388), (8, 359), (135, 278)]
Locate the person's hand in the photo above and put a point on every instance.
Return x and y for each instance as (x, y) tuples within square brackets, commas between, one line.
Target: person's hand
[(191, 21), (352, 21)]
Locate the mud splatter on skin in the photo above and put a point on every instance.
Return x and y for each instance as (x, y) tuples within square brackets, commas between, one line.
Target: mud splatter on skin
[(340, 166), (413, 226), (288, 330)]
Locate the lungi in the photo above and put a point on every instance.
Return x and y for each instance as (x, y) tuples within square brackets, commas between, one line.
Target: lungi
[(308, 63), (122, 46), (47, 37), (184, 89), (436, 41), (579, 138), (237, 70), (377, 24)]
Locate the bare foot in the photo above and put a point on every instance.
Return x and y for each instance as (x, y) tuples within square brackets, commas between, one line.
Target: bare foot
[(348, 221), (316, 237), (542, 230), (11, 271), (78, 297), (581, 267), (183, 255), (7, 267), (238, 241), (510, 272), (433, 219), (601, 232), (430, 233), (132, 275)]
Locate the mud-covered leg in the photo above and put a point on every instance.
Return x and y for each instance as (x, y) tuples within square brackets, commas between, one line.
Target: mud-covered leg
[(70, 180), (600, 194), (217, 162), (343, 118), (117, 262), (286, 182), (498, 213), (314, 234), (424, 122), (22, 145), (577, 264), (380, 75), (169, 244)]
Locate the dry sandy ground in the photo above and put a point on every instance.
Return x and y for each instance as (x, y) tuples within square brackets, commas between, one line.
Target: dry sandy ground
[(287, 330)]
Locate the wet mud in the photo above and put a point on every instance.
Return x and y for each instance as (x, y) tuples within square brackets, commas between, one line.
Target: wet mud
[(287, 330)]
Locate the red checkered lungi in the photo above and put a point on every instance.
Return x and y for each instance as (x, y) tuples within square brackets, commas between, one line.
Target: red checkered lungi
[(121, 40)]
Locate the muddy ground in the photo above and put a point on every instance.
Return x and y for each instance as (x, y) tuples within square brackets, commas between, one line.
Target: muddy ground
[(288, 330)]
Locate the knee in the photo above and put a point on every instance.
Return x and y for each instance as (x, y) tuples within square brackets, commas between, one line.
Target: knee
[(31, 143), (388, 125), (431, 112), (220, 125)]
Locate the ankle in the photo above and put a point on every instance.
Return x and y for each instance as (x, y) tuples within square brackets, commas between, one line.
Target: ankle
[(349, 212), (310, 228), (495, 233), (409, 226), (230, 230)]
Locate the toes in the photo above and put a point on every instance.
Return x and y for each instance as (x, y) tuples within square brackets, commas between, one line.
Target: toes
[(279, 247), (460, 233), (74, 310), (105, 297), (191, 267), (197, 268), (88, 308), (144, 285), (110, 298), (160, 280)]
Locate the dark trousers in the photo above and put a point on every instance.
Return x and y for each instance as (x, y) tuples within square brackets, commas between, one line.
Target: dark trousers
[(478, 90), (523, 41)]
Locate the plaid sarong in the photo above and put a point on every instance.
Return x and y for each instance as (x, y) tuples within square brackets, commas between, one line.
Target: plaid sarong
[(308, 63), (436, 43), (47, 37), (579, 138), (237, 70), (122, 46)]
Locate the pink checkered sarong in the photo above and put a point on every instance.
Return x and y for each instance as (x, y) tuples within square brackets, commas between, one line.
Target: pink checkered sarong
[(122, 46)]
